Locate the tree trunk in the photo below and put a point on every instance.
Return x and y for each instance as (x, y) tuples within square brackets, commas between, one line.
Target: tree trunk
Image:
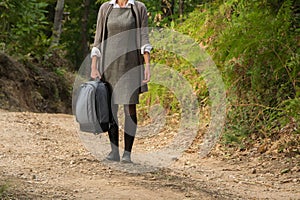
[(181, 9), (59, 11), (84, 28)]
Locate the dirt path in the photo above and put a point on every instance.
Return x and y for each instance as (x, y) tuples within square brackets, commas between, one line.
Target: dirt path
[(41, 157)]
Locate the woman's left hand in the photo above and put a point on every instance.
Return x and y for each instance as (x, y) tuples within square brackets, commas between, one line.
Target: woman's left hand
[(147, 74)]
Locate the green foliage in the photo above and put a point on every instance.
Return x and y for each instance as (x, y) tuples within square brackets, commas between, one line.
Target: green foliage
[(71, 37), (259, 51), (3, 188), (169, 66), (156, 15), (23, 24), (59, 71), (261, 65), (100, 1), (255, 44)]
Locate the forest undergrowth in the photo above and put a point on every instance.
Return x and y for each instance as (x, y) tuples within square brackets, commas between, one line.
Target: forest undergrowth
[(256, 48)]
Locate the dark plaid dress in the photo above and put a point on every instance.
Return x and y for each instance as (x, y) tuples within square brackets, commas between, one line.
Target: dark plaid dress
[(121, 65)]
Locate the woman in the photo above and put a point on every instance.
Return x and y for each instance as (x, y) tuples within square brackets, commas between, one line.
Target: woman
[(120, 50)]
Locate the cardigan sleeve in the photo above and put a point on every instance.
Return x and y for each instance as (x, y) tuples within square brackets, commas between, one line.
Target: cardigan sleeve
[(96, 50), (145, 44), (98, 29)]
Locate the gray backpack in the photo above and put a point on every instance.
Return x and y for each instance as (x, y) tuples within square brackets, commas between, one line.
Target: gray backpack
[(92, 107)]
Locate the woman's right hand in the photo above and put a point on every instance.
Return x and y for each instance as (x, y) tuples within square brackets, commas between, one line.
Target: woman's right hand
[(95, 74), (94, 71)]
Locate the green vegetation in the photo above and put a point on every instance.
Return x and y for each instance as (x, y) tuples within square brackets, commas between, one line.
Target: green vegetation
[(255, 44), (24, 28), (3, 188)]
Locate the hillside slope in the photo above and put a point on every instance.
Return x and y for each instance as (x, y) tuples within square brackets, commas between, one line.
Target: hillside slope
[(33, 87)]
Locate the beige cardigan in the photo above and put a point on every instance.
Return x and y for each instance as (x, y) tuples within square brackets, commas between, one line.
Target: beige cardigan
[(140, 11)]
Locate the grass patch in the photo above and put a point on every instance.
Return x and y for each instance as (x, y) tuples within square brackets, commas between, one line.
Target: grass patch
[(3, 189)]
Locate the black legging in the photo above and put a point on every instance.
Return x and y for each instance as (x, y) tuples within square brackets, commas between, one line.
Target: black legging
[(130, 126)]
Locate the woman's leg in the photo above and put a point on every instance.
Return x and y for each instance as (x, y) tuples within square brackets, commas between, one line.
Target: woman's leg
[(113, 134), (129, 130)]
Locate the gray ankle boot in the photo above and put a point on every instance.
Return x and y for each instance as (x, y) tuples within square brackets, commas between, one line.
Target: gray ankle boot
[(113, 134), (126, 158)]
